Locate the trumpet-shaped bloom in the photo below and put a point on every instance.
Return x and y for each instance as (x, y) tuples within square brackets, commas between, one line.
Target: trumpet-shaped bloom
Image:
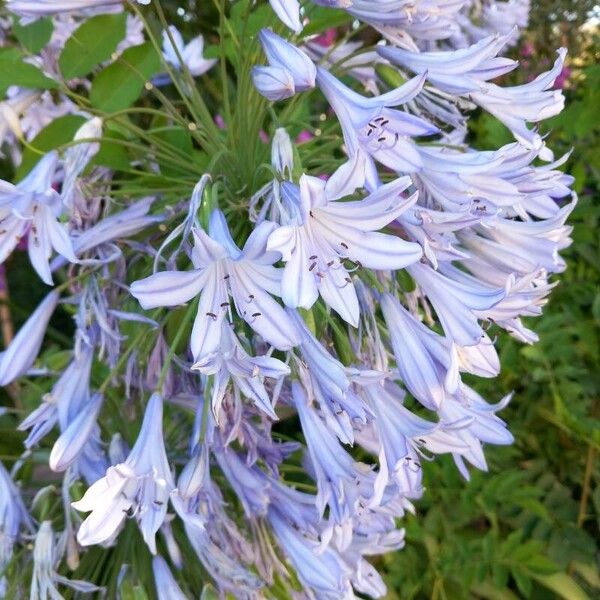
[(166, 586), (342, 483), (402, 438), (456, 71), (528, 103), (45, 579), (331, 384), (138, 487), (426, 362), (76, 435), (232, 362), (288, 12), (21, 353), (371, 124), (32, 208), (221, 270), (324, 572), (321, 233), (284, 55), (32, 9), (456, 303)]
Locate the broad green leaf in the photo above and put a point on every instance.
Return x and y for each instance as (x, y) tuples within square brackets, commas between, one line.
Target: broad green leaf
[(562, 585), (322, 18), (33, 36), (59, 132), (119, 84), (15, 71), (90, 44)]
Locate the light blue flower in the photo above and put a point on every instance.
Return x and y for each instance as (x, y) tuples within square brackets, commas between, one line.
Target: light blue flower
[(321, 233), (22, 351), (221, 270), (32, 208)]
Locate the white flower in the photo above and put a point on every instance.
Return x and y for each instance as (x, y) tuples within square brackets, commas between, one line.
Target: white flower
[(138, 487)]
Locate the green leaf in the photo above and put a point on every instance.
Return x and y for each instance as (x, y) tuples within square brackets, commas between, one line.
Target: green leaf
[(119, 84), (523, 582), (390, 75), (14, 71), (59, 132), (562, 585), (33, 36), (90, 44)]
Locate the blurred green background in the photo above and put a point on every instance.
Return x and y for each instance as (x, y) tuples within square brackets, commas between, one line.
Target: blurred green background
[(529, 527)]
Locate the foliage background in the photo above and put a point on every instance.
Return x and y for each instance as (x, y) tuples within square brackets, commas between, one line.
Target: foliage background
[(529, 527)]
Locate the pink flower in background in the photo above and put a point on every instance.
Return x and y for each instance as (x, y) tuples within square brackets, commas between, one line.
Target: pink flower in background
[(562, 78), (304, 136), (326, 39), (528, 49)]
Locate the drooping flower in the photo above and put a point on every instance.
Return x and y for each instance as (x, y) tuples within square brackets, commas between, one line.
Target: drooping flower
[(32, 208), (13, 518), (221, 270), (139, 487), (288, 12), (287, 64), (321, 233), (45, 560), (427, 362), (342, 482), (458, 303), (322, 571), (21, 353), (166, 586), (247, 372), (373, 126), (456, 71), (528, 103)]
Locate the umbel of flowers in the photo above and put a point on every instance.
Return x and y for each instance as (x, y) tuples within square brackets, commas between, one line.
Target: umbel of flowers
[(264, 351)]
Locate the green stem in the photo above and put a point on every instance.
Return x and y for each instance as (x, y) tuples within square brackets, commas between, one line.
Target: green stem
[(191, 311)]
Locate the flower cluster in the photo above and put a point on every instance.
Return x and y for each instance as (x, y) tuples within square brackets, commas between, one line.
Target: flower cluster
[(296, 330)]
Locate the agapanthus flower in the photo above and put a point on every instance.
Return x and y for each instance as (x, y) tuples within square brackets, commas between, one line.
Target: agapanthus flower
[(319, 234), (45, 579), (288, 65), (21, 353), (337, 310), (232, 362), (221, 270), (13, 518), (176, 52), (373, 126), (32, 9), (32, 208), (139, 487)]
